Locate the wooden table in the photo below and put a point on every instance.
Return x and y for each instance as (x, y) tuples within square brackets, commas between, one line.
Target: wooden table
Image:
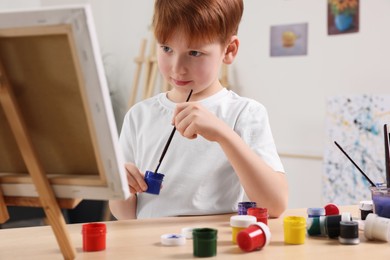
[(140, 239)]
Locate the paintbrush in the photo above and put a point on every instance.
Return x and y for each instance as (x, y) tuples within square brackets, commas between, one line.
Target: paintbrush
[(361, 171), (169, 140), (387, 155)]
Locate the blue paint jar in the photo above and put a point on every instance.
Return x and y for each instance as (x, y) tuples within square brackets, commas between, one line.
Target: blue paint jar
[(244, 206), (154, 181)]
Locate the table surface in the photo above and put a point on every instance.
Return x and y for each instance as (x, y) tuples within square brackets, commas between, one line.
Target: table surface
[(140, 239)]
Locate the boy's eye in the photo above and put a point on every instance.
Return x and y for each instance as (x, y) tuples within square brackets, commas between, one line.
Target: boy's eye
[(195, 53), (166, 49)]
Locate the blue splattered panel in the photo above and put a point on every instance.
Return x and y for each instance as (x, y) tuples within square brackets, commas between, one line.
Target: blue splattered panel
[(356, 123)]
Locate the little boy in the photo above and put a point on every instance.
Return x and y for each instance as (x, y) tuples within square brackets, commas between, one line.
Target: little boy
[(224, 148)]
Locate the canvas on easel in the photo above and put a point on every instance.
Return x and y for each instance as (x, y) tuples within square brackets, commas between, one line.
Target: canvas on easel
[(52, 60), (58, 137)]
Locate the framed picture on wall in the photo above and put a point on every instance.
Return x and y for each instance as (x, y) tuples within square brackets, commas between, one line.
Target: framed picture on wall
[(288, 40), (343, 16)]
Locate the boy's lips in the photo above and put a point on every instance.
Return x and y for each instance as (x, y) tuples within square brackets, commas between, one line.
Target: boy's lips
[(181, 82)]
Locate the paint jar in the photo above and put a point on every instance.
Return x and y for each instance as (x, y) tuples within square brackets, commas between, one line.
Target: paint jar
[(313, 221), (204, 242), (349, 233), (94, 237), (239, 223), (377, 228), (381, 198), (322, 226), (261, 214), (331, 209), (254, 237), (332, 224), (313, 226), (294, 230), (366, 207), (244, 206), (173, 239), (315, 212), (154, 181)]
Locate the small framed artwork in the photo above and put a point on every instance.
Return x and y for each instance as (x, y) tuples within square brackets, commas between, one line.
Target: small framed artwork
[(289, 40), (343, 16)]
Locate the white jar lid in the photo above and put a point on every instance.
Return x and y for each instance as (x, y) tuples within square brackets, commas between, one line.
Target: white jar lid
[(376, 227), (173, 240), (366, 205), (187, 232), (346, 216), (242, 220), (266, 230)]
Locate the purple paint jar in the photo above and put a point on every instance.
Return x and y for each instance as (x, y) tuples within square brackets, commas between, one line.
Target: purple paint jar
[(381, 199), (244, 206), (154, 181)]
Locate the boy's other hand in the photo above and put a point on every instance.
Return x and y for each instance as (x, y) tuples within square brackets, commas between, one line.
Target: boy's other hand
[(135, 179)]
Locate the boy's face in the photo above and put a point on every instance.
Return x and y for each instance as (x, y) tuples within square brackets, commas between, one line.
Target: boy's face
[(191, 67)]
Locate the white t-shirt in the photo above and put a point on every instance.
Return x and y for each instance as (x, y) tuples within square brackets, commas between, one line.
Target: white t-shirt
[(199, 179)]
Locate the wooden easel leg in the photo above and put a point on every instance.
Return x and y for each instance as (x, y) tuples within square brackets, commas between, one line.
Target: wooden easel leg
[(35, 169), (150, 61), (140, 60), (152, 80), (4, 216)]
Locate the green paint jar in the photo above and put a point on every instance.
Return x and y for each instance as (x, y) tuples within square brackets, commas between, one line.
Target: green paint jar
[(205, 242)]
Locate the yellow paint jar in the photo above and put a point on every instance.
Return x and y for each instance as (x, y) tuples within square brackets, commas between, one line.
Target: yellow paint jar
[(294, 230), (240, 222)]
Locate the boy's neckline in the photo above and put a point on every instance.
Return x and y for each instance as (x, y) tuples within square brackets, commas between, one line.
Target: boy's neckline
[(167, 102)]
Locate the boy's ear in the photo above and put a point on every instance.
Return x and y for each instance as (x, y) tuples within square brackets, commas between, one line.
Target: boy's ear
[(231, 50)]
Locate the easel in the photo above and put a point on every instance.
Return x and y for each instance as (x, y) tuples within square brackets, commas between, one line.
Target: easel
[(151, 71), (47, 199)]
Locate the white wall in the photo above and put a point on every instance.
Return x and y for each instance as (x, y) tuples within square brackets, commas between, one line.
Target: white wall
[(292, 88), (17, 4)]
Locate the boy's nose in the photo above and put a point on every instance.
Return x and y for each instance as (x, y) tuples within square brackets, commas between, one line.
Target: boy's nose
[(179, 66)]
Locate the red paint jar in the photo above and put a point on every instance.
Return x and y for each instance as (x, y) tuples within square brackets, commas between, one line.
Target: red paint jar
[(261, 214), (94, 236), (254, 237)]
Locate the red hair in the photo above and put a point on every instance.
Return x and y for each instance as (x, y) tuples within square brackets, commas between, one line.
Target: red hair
[(199, 20)]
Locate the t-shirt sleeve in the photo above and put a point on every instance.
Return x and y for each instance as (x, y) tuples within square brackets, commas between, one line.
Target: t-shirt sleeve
[(126, 139), (254, 128)]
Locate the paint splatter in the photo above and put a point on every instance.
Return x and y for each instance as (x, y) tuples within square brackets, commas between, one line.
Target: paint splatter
[(356, 123)]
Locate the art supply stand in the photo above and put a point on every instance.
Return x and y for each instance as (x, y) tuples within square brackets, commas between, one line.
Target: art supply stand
[(47, 199), (151, 72)]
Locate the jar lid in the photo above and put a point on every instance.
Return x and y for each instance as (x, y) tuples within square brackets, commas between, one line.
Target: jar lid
[(366, 205), (377, 227), (346, 216), (173, 240), (242, 220), (315, 211), (187, 232), (266, 230), (331, 209), (369, 224)]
